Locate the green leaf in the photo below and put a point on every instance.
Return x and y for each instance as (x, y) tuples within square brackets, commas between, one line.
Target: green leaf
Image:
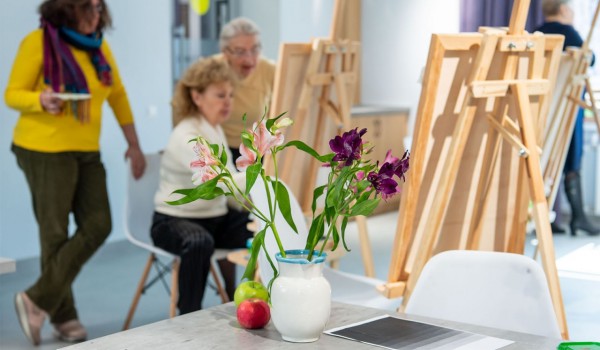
[(329, 214), (318, 192), (362, 185), (252, 173), (335, 194), (275, 271), (207, 190), (257, 242), (272, 121), (307, 149), (223, 157), (364, 196), (336, 237), (365, 207), (247, 140), (315, 232), (214, 148), (343, 229), (283, 202)]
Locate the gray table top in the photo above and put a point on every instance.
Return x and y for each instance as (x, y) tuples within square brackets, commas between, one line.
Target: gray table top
[(217, 328)]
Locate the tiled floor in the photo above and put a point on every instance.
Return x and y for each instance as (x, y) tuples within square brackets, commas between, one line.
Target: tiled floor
[(105, 287)]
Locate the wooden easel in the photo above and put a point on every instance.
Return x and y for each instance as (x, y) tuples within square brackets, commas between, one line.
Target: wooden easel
[(346, 26), (325, 95), (559, 128), (504, 78), (314, 84), (328, 74)]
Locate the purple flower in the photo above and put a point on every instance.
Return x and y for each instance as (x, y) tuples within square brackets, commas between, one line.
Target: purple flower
[(383, 183), (400, 166), (347, 147), (387, 170)]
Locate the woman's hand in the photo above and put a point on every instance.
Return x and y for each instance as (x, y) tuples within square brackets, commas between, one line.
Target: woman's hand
[(138, 162), (50, 103)]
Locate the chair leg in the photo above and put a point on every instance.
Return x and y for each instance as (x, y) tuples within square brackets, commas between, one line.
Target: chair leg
[(220, 289), (138, 292), (174, 288)]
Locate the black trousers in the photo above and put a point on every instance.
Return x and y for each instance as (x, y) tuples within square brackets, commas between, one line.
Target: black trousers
[(194, 241)]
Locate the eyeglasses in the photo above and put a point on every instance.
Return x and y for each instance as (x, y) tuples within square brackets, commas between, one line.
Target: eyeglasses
[(239, 53)]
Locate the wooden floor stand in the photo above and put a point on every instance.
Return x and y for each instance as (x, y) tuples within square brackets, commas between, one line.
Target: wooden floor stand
[(510, 77)]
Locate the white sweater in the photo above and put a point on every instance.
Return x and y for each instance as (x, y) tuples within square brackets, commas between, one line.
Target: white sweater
[(175, 171)]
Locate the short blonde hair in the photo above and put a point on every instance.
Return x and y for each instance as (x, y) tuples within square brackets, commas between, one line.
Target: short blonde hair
[(199, 76), (552, 7)]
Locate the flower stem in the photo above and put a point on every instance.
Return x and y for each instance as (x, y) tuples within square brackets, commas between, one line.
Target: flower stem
[(329, 230), (272, 211), (276, 234)]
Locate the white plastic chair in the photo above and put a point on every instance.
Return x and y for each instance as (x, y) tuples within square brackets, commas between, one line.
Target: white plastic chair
[(493, 289), (139, 208), (345, 287)]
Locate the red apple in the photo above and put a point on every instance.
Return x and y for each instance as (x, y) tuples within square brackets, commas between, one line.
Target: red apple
[(253, 313)]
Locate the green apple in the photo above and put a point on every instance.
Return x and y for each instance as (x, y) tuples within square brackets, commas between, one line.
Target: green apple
[(248, 290)]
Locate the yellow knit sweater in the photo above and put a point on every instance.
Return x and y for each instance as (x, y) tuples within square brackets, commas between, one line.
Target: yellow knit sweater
[(40, 131)]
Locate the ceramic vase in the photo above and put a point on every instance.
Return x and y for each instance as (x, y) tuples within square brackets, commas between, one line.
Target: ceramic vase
[(300, 297)]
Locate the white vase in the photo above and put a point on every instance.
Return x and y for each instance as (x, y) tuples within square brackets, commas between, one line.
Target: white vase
[(300, 297)]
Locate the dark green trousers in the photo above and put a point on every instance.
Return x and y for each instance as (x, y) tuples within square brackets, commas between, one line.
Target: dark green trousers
[(60, 184)]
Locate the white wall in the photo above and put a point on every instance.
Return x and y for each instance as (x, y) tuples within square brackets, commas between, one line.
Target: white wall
[(302, 20), (265, 14), (395, 43), (142, 46)]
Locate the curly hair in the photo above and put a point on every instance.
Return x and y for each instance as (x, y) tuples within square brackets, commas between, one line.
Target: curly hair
[(64, 13), (199, 76)]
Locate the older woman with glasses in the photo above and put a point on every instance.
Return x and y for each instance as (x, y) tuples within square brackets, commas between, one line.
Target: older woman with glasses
[(240, 47), (61, 76)]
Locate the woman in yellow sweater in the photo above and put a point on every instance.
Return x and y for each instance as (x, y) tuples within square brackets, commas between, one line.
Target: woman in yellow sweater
[(61, 76)]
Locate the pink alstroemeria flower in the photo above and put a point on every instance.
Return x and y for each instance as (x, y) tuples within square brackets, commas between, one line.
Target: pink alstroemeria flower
[(203, 175), (205, 156), (202, 165), (247, 158), (263, 142)]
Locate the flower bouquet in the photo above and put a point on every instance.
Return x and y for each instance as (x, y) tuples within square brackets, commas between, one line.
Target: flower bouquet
[(354, 185)]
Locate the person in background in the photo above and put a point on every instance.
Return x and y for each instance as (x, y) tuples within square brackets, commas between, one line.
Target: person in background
[(240, 48), (56, 144), (201, 103), (558, 16)]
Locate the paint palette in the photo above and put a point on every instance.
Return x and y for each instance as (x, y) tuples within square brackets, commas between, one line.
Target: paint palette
[(67, 96)]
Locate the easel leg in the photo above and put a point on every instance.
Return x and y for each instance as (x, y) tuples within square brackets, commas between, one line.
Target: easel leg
[(540, 205), (365, 246)]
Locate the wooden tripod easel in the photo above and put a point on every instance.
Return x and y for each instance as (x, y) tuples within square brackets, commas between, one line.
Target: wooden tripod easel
[(327, 79), (504, 79), (559, 129)]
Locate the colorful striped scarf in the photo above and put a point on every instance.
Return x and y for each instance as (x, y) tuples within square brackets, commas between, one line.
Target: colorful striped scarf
[(61, 70)]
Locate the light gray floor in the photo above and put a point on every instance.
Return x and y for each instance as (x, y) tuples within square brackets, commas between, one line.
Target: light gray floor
[(106, 285)]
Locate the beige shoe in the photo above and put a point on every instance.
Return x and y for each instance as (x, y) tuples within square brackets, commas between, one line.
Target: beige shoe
[(71, 331), (31, 318)]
